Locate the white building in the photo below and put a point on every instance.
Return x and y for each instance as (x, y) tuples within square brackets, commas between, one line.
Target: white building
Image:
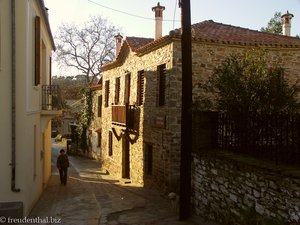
[(27, 102)]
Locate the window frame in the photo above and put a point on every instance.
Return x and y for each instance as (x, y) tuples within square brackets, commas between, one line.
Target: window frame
[(161, 85), (140, 87), (148, 159), (37, 55), (106, 91), (110, 143), (117, 90), (99, 139), (99, 113), (127, 83)]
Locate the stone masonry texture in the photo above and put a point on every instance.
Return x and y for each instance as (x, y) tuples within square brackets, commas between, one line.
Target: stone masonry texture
[(214, 192), (225, 187), (166, 141)]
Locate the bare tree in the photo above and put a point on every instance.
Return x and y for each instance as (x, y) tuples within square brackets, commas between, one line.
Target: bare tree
[(86, 48)]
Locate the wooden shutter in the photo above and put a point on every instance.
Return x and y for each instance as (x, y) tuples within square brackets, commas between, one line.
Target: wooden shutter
[(110, 143), (148, 157), (127, 89), (106, 93), (117, 90), (37, 76), (50, 70), (161, 77), (140, 94), (99, 105)]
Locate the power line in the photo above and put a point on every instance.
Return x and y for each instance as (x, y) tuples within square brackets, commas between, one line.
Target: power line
[(130, 14), (174, 14)]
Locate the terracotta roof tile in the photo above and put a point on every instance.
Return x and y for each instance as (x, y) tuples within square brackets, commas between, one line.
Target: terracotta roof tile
[(137, 42), (217, 32), (210, 31)]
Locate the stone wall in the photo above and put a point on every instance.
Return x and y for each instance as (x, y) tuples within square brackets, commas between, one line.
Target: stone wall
[(208, 56), (229, 188), (95, 128)]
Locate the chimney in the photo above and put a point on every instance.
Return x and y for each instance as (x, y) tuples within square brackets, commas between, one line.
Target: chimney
[(158, 20), (119, 41), (286, 23), (47, 12)]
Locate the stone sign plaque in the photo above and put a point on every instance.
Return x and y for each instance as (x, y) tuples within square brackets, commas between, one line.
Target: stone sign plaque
[(160, 122)]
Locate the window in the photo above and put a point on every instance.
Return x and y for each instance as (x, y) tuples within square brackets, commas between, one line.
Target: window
[(43, 146), (43, 75), (127, 89), (140, 88), (99, 105), (148, 158), (99, 137), (117, 91), (110, 143), (161, 79), (106, 93), (37, 75), (50, 70), (35, 149)]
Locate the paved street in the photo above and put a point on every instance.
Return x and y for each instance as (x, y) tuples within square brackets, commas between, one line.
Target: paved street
[(92, 198)]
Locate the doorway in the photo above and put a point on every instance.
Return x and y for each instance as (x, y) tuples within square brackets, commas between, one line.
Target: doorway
[(125, 158)]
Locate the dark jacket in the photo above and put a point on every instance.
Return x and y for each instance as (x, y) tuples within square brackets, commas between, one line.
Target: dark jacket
[(62, 162)]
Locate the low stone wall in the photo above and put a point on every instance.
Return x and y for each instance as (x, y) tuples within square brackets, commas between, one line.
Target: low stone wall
[(234, 189)]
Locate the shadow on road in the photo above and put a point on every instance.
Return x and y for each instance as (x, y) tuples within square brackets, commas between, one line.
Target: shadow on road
[(93, 197)]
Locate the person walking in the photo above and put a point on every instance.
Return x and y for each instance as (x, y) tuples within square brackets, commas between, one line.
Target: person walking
[(62, 165)]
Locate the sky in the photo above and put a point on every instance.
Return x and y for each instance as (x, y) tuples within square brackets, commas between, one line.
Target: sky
[(135, 17)]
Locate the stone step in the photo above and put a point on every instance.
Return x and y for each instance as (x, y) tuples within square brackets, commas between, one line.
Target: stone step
[(125, 181)]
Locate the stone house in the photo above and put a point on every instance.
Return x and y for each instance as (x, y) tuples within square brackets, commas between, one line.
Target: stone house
[(28, 102), (95, 128), (70, 115), (141, 107)]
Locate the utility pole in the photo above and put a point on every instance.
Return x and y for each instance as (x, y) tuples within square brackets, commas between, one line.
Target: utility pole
[(186, 111)]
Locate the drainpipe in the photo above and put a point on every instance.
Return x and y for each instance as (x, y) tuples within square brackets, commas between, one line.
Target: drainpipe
[(13, 96)]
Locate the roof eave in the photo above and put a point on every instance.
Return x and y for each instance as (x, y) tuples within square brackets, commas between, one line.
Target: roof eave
[(96, 87), (139, 52), (155, 45), (250, 44), (45, 17)]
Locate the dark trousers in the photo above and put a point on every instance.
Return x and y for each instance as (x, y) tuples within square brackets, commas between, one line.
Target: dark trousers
[(63, 173)]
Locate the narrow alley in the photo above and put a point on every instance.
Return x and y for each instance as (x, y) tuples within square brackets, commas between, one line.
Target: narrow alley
[(92, 197)]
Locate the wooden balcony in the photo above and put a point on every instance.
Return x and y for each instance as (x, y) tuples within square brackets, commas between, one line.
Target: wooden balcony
[(123, 115)]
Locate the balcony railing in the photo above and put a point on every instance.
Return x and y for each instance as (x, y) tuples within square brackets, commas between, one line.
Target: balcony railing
[(51, 97), (122, 115)]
